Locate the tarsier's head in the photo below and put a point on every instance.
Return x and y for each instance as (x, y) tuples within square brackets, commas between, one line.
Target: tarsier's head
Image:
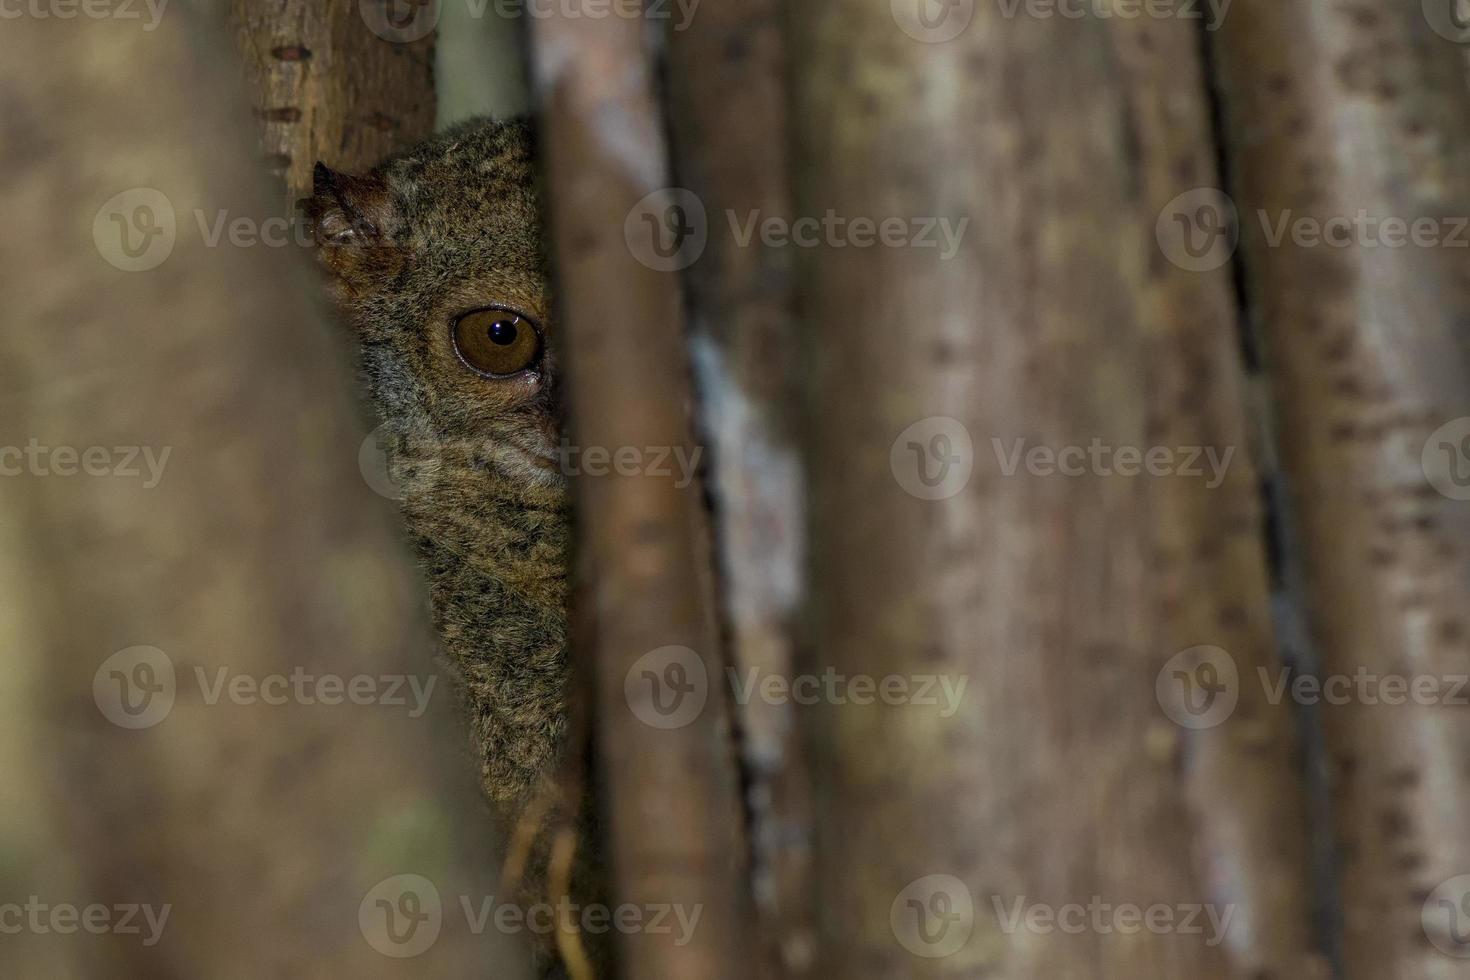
[(436, 260)]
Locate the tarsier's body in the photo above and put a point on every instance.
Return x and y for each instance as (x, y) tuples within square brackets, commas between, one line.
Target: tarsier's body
[(437, 262)]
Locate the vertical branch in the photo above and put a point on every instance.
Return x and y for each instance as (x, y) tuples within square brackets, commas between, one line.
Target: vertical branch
[(347, 83), (244, 729), (977, 517), (672, 807), (726, 64), (1345, 119), (1244, 783)]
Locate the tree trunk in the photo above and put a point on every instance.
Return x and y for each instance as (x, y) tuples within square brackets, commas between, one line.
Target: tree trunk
[(346, 83), (274, 817), (726, 63), (672, 806), (1332, 112), (1074, 604)]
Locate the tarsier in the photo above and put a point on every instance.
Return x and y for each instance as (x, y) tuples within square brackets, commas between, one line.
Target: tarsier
[(436, 260)]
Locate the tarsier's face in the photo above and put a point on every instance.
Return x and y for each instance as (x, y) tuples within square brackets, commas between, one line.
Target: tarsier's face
[(436, 258)]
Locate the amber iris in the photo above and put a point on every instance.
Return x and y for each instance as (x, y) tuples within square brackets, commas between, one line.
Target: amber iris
[(497, 342)]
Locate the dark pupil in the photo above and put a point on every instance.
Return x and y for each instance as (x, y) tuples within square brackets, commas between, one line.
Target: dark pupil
[(503, 332)]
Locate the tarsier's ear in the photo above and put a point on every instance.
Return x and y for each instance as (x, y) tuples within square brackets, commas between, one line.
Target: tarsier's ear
[(347, 209)]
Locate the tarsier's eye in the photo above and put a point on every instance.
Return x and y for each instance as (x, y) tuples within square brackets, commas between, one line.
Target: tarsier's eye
[(497, 341)]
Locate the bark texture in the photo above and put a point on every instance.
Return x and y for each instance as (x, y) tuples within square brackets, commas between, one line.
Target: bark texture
[(668, 766), (346, 83), (727, 63), (1070, 605), (1338, 110)]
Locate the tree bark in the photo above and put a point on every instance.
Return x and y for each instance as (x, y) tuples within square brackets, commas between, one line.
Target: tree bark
[(272, 816), (672, 806), (345, 83), (727, 63), (1072, 605), (1335, 111)]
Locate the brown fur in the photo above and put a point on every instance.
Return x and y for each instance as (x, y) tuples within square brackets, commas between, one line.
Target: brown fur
[(451, 226)]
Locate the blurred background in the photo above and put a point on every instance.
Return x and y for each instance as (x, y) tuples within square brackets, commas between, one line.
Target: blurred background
[(1065, 571)]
